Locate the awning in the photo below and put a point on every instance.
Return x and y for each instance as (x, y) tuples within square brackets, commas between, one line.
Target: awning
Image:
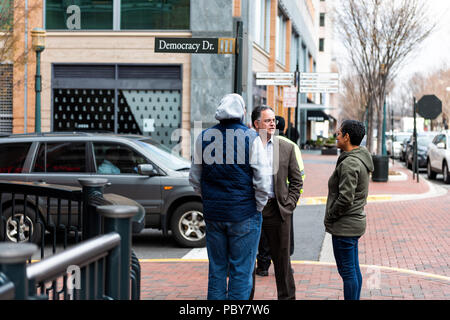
[(317, 115)]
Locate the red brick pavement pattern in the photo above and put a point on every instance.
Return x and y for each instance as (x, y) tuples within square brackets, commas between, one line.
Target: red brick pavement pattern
[(188, 281), (414, 235), (317, 175), (411, 235)]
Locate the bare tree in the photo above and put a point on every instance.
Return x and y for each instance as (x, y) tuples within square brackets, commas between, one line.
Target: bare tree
[(378, 36), (352, 99), (435, 83), (6, 30)]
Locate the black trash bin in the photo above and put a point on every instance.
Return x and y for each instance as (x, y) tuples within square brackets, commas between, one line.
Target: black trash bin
[(381, 168)]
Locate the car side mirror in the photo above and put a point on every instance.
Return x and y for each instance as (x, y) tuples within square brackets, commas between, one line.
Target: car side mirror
[(441, 145), (147, 170)]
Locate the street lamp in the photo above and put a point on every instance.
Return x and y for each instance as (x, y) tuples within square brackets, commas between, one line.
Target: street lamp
[(38, 44)]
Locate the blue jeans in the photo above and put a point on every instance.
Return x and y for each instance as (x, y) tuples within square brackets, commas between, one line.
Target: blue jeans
[(232, 248), (346, 254)]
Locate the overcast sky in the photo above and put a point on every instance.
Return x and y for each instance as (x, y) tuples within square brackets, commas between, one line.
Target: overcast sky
[(435, 51)]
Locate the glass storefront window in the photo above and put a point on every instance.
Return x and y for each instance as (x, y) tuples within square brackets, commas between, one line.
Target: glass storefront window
[(154, 14), (79, 15)]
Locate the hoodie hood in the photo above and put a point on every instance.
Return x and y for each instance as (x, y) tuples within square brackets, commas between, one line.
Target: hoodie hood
[(231, 106), (362, 154)]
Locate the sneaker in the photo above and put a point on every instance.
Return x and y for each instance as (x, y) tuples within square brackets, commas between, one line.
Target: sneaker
[(262, 272)]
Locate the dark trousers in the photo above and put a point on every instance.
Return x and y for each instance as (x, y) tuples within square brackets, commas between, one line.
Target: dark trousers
[(263, 256), (278, 237)]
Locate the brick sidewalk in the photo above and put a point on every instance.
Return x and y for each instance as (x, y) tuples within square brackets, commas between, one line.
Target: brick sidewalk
[(404, 254)]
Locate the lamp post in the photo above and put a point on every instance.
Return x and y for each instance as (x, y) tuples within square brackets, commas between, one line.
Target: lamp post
[(38, 43)]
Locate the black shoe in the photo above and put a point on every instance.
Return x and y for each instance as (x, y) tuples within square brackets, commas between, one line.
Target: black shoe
[(262, 272)]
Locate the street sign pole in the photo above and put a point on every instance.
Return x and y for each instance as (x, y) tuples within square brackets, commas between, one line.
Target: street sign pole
[(238, 59), (297, 80), (414, 164)]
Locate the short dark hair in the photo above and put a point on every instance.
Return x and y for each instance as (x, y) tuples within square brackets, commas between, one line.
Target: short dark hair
[(280, 123), (256, 113), (355, 130)]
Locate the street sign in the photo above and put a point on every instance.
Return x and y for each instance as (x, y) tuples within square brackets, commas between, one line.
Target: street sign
[(318, 90), (319, 82), (429, 106), (290, 97), (275, 75), (318, 75), (274, 82), (196, 45)]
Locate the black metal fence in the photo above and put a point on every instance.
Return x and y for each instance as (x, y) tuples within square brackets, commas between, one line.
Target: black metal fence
[(94, 230)]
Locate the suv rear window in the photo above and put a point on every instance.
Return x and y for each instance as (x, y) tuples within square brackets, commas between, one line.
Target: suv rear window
[(61, 157), (13, 157)]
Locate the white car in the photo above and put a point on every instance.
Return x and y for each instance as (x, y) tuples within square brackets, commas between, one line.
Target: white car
[(438, 157)]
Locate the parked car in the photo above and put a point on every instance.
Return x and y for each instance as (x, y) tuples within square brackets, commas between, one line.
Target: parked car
[(398, 139), (438, 157), (423, 141), (405, 145), (136, 166)]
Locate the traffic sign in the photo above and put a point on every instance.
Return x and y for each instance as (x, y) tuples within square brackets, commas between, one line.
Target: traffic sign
[(429, 106), (196, 45), (274, 82), (275, 75)]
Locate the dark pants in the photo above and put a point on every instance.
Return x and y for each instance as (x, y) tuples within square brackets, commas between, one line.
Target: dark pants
[(278, 237), (263, 256), (346, 254)]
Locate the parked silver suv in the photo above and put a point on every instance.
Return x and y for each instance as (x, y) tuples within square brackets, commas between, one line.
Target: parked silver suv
[(136, 167)]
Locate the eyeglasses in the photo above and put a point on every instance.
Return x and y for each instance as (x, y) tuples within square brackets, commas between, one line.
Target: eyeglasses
[(269, 121)]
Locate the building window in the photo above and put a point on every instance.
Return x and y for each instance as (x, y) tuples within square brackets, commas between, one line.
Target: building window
[(85, 15), (157, 14), (6, 97), (262, 24), (281, 38), (321, 44), (117, 15), (6, 14), (322, 20)]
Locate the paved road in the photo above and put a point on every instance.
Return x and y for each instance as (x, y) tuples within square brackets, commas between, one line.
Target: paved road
[(308, 236)]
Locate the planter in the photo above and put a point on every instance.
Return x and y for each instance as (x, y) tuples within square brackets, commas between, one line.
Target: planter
[(330, 151)]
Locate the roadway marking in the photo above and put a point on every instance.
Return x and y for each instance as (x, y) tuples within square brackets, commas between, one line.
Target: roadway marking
[(319, 263), (323, 200)]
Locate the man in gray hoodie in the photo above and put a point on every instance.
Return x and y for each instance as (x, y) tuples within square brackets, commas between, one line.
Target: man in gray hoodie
[(348, 189), (230, 171)]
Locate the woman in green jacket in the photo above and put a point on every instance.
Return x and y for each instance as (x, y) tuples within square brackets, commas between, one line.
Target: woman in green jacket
[(345, 219)]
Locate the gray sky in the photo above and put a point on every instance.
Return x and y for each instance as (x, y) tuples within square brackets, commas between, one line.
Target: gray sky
[(435, 51)]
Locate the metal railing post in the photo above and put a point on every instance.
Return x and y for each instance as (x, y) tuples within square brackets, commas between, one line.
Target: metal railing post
[(13, 263), (92, 189), (117, 218)]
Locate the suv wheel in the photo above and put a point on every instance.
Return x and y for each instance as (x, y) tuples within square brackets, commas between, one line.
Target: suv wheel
[(446, 173), (188, 225), (20, 227), (430, 173)]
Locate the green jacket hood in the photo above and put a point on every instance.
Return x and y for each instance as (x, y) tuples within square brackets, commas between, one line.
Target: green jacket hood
[(362, 154)]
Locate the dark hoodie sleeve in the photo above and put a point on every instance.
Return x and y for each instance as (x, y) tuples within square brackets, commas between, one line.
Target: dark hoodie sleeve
[(348, 180)]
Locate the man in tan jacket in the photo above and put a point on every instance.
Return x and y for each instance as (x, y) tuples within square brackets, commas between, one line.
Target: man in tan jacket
[(286, 184)]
